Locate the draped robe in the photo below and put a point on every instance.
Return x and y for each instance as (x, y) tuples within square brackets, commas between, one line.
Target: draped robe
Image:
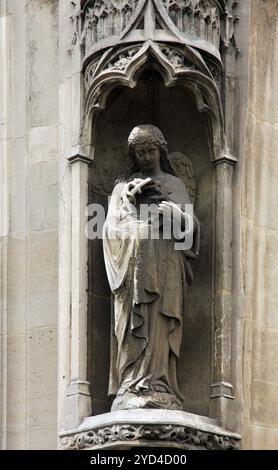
[(148, 278)]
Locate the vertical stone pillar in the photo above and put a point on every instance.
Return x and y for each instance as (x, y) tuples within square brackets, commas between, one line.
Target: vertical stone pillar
[(77, 400), (222, 389), (78, 396), (222, 396), (65, 210)]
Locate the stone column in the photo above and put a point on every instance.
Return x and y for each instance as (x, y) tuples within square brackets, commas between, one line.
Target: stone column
[(222, 388), (74, 259), (78, 396)]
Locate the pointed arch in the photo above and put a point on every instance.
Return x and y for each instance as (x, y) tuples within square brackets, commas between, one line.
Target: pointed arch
[(183, 68)]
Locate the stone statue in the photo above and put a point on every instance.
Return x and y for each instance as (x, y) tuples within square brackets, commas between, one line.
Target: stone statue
[(147, 275)]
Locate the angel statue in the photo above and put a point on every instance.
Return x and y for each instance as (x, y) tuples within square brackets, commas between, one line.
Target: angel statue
[(148, 275)]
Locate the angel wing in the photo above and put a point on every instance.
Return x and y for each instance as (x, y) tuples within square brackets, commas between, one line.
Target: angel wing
[(184, 169)]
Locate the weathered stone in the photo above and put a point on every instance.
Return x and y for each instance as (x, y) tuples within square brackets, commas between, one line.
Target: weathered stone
[(43, 144), (16, 440), (149, 428), (17, 188), (42, 265), (17, 76), (16, 287), (41, 111), (259, 234), (15, 6), (42, 62), (43, 190), (42, 342), (43, 438), (146, 275), (259, 437), (28, 279), (16, 374)]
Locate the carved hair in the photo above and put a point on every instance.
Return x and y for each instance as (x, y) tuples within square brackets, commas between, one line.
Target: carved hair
[(153, 135), (146, 132)]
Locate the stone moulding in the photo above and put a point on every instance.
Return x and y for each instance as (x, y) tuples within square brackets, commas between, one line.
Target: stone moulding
[(173, 59), (149, 436), (149, 428), (204, 24)]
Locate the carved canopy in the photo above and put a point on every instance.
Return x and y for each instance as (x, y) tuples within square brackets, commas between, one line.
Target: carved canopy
[(183, 38), (198, 23)]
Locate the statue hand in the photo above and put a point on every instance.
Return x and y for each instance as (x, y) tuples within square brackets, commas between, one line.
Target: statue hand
[(136, 186), (182, 219), (171, 211), (169, 206)]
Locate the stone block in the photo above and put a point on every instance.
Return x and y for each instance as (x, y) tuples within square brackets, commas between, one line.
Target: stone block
[(271, 301), (15, 6), (259, 438), (17, 114), (17, 188), (260, 188), (264, 405), (270, 292), (265, 177), (149, 428), (16, 383), (42, 61), (265, 352), (43, 195), (43, 438), (260, 275), (266, 100), (16, 287), (42, 377), (65, 38), (43, 279), (260, 378), (246, 367), (16, 440), (43, 144)]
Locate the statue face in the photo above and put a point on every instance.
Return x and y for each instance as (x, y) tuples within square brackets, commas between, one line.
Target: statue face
[(148, 156)]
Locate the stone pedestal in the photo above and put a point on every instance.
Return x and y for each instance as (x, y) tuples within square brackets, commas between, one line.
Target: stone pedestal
[(149, 428)]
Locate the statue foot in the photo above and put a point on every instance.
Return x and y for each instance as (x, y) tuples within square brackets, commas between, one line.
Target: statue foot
[(156, 400)]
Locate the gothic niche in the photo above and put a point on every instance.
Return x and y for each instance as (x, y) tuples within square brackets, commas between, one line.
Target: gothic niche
[(158, 62), (174, 111)]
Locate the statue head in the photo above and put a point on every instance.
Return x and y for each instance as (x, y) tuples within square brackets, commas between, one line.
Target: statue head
[(150, 135)]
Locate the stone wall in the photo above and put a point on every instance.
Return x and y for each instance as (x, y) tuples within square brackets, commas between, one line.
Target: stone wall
[(259, 196), (29, 141), (29, 223)]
